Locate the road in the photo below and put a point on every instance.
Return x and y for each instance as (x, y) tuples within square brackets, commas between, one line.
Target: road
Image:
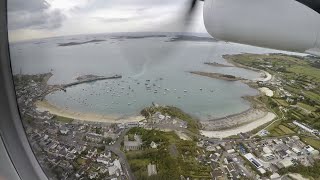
[(115, 148)]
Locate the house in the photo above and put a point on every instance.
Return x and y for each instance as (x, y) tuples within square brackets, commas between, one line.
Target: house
[(233, 173), (116, 168), (275, 176), (268, 157), (70, 156), (217, 174), (267, 150), (297, 151), (152, 170), (64, 130), (132, 145), (79, 148), (153, 145), (103, 170), (285, 163), (93, 175), (132, 124), (103, 160), (93, 137)]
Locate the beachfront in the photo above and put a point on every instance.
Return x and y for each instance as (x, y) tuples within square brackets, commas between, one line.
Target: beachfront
[(46, 106), (241, 129)]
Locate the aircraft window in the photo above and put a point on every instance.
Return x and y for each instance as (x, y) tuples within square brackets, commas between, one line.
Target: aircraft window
[(159, 89)]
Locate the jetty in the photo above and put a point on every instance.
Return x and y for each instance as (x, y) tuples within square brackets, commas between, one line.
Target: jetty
[(88, 79)]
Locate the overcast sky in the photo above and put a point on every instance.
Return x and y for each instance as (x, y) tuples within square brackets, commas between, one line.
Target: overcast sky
[(30, 19)]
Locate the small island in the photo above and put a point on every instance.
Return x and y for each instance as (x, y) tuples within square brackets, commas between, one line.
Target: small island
[(218, 76), (215, 64)]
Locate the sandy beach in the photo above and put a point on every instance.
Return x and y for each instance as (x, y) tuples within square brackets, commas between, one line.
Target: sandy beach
[(244, 128), (46, 106), (268, 92), (267, 77), (235, 120)]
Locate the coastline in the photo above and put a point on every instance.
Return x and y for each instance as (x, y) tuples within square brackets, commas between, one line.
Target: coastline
[(241, 129), (245, 121), (226, 126), (79, 116)]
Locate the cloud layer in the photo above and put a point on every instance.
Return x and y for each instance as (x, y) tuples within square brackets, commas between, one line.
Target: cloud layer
[(29, 19), (34, 14)]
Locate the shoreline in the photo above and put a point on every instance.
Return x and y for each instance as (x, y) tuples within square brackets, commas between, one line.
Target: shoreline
[(256, 112), (255, 115), (241, 129), (267, 77), (79, 116)]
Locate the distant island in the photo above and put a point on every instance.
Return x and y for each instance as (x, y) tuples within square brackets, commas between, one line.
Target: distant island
[(79, 43), (137, 36), (191, 38)]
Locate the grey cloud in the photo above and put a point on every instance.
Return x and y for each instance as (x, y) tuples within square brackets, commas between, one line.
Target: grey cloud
[(27, 5), (139, 4), (34, 14)]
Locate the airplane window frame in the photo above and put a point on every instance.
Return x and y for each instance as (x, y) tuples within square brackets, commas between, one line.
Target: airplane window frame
[(11, 128)]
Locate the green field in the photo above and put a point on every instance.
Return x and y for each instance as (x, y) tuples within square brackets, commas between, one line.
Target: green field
[(63, 119), (307, 107)]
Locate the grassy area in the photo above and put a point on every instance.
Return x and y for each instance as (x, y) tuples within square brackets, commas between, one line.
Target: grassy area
[(81, 161), (170, 165), (307, 107), (193, 124), (63, 119), (313, 142), (285, 129)]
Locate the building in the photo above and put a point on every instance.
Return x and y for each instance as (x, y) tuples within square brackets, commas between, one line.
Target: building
[(132, 124), (305, 127), (153, 145), (116, 168), (267, 150), (93, 137), (268, 157), (250, 157), (103, 160), (311, 150), (233, 172), (217, 174), (132, 145), (152, 170), (297, 151), (275, 176), (64, 130), (285, 163), (93, 175)]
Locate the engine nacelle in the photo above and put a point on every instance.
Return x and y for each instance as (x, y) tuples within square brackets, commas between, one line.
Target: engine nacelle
[(278, 24)]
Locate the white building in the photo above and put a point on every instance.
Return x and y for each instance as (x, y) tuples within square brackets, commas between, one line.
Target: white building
[(250, 157), (305, 127), (153, 145), (152, 170), (115, 168), (267, 150)]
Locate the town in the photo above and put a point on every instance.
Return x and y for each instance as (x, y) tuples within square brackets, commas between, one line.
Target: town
[(167, 143)]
